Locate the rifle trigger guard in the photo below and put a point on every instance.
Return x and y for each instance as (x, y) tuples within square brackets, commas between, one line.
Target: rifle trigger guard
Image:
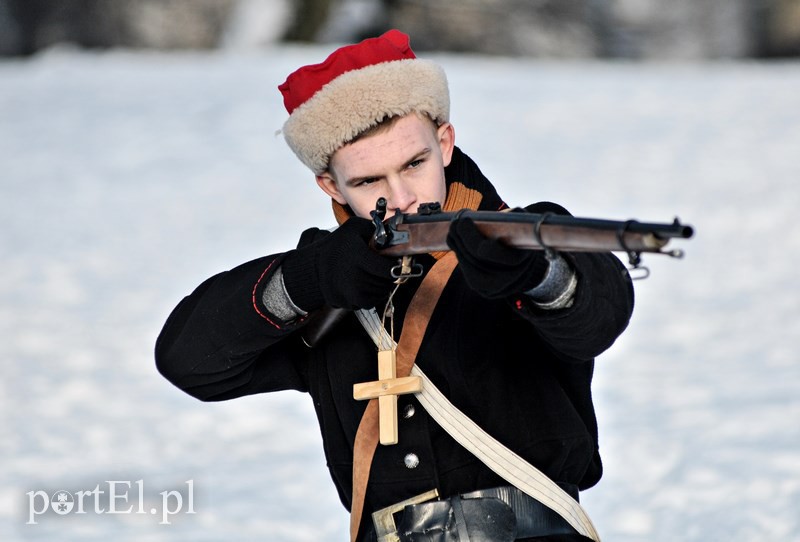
[(634, 257), (549, 252)]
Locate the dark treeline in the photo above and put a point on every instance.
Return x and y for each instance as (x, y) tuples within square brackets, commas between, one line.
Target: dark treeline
[(694, 29)]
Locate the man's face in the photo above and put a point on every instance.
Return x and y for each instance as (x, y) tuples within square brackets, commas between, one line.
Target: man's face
[(404, 164)]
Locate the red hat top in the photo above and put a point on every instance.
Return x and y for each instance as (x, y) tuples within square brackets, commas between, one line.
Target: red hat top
[(303, 83)]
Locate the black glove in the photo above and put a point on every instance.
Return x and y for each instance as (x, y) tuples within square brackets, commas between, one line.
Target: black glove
[(493, 269), (340, 270)]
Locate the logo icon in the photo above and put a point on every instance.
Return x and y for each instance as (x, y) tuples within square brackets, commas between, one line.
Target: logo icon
[(62, 502)]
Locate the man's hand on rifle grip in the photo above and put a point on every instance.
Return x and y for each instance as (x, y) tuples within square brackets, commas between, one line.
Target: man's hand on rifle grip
[(339, 271)]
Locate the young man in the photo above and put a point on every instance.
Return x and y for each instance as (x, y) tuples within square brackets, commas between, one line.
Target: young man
[(508, 336)]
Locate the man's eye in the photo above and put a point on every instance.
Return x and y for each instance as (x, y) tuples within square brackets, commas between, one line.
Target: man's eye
[(414, 164), (366, 182)]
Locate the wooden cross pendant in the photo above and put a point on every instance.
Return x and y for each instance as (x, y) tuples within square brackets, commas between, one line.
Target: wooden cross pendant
[(386, 389)]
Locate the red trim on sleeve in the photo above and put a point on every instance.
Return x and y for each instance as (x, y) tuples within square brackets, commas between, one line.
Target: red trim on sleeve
[(255, 302)]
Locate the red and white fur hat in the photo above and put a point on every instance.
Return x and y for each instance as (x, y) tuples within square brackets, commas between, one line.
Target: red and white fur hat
[(355, 88)]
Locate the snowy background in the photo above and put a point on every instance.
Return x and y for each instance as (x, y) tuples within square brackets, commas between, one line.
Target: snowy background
[(126, 179)]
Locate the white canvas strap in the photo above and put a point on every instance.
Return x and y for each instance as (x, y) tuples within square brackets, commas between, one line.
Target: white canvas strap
[(499, 458)]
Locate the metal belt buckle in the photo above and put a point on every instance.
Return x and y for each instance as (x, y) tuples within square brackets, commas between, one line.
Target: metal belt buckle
[(383, 519)]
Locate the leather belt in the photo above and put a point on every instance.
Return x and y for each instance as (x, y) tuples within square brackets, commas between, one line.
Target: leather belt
[(499, 514)]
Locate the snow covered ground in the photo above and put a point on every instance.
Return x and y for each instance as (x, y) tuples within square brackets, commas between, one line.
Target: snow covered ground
[(126, 179)]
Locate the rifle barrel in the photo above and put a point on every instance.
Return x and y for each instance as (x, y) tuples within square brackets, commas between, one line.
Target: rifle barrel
[(673, 229), (421, 233)]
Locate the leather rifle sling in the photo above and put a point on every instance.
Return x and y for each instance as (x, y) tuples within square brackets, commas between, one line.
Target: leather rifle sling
[(414, 325)]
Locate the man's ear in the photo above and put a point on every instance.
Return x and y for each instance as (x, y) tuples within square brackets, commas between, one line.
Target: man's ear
[(328, 185), (447, 140)]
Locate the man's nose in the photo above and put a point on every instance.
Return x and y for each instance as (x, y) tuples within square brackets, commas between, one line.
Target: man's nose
[(401, 197)]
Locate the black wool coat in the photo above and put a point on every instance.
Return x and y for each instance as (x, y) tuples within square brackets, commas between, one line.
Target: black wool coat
[(522, 374)]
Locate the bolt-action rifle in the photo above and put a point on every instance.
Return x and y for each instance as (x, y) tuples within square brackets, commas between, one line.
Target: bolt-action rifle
[(406, 234)]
